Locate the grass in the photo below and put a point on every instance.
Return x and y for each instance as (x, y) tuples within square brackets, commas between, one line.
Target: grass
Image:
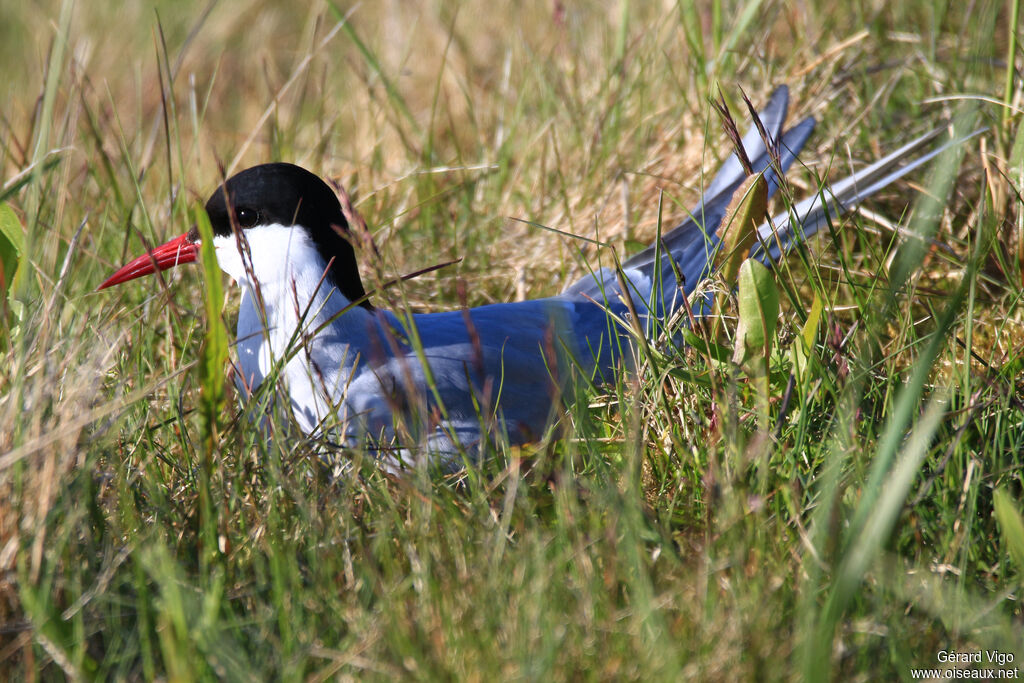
[(667, 530)]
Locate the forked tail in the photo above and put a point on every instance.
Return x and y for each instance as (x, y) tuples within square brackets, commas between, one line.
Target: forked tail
[(688, 249)]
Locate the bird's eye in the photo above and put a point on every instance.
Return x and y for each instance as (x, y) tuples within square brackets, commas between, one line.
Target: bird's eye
[(246, 217)]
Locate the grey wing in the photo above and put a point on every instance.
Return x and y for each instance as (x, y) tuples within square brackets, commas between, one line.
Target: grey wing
[(498, 377)]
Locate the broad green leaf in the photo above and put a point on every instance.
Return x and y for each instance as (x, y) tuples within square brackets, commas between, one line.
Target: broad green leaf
[(739, 227), (738, 234), (11, 241), (758, 313), (801, 349)]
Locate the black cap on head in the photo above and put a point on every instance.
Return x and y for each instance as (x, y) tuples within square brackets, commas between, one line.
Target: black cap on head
[(287, 194)]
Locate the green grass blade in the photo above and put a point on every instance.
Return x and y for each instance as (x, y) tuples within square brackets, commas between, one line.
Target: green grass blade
[(213, 358), (1011, 524)]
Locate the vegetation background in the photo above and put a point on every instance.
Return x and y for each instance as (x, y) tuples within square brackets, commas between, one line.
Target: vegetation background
[(863, 519)]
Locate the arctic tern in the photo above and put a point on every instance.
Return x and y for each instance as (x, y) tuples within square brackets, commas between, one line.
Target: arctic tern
[(436, 383)]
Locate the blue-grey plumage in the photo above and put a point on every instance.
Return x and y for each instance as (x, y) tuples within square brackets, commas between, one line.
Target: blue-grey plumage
[(450, 382)]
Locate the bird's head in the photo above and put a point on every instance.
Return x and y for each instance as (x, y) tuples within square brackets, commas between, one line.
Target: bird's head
[(264, 218)]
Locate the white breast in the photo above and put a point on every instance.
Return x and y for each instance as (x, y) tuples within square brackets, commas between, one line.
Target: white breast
[(285, 298)]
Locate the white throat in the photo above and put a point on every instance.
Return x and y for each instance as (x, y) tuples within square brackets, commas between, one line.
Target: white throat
[(284, 291)]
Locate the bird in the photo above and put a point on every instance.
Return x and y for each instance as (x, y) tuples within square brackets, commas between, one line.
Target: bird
[(441, 385)]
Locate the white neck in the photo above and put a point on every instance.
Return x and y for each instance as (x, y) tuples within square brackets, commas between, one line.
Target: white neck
[(284, 291)]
